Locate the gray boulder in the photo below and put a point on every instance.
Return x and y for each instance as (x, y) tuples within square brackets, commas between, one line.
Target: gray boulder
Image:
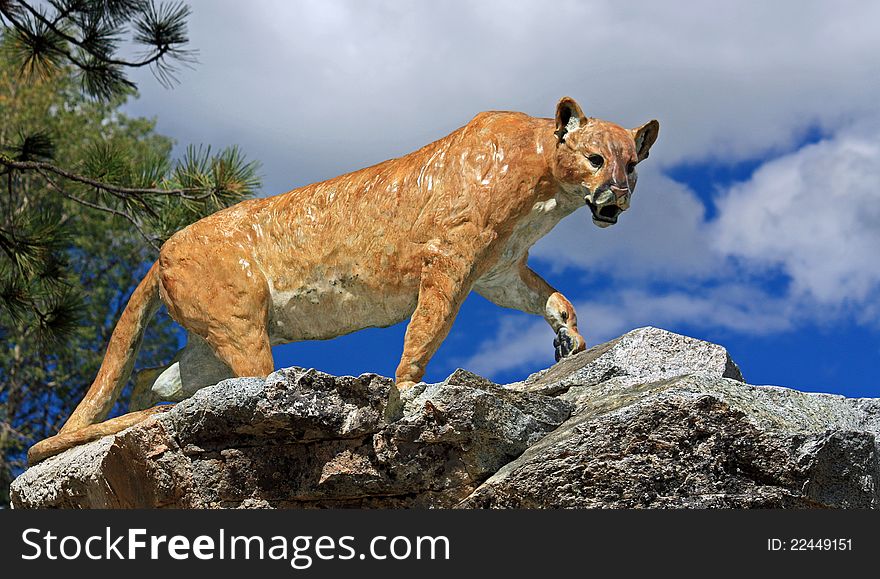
[(698, 442), (640, 356), (302, 438), (650, 419)]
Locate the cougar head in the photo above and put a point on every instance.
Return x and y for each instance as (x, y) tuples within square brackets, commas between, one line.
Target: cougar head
[(596, 160)]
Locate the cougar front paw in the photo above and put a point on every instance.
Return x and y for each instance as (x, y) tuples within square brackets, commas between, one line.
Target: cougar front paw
[(567, 342)]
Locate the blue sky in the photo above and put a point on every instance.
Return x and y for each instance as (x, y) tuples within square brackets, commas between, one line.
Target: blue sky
[(756, 223)]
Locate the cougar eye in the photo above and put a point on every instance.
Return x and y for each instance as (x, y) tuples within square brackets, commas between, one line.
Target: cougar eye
[(630, 167), (596, 161)]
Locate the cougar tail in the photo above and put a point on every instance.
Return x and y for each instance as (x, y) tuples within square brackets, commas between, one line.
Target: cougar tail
[(114, 373)]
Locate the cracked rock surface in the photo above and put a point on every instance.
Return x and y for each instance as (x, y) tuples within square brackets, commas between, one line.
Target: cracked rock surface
[(650, 419)]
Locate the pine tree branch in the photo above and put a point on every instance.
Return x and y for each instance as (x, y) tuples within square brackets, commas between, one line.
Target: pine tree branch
[(86, 35), (62, 14), (23, 29), (186, 193), (6, 245), (98, 207), (52, 25)]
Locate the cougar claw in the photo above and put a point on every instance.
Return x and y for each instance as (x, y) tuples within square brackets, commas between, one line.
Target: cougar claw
[(566, 343)]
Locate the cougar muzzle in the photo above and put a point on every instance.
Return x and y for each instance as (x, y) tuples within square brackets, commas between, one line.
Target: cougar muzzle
[(607, 204)]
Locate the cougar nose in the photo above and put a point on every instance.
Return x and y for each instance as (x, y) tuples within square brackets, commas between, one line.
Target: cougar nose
[(621, 195)]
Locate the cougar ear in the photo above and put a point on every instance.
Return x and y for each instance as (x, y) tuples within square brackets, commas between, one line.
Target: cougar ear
[(569, 117), (644, 137)]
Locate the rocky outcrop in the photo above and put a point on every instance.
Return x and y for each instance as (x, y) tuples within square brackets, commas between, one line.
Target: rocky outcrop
[(701, 442), (641, 356), (302, 438), (651, 419)]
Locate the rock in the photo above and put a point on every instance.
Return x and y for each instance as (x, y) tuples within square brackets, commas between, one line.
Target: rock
[(642, 355), (302, 438), (697, 441), (651, 419)]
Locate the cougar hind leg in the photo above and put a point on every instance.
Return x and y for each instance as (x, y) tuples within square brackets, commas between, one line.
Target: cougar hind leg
[(193, 368), (141, 393)]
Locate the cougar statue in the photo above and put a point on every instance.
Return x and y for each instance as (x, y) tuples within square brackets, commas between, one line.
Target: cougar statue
[(407, 238)]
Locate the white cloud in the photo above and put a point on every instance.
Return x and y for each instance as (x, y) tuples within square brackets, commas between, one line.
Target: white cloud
[(316, 88), (816, 215), (521, 341), (661, 235)]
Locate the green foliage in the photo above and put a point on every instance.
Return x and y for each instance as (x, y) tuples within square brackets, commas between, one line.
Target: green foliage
[(43, 37), (87, 195), (105, 170)]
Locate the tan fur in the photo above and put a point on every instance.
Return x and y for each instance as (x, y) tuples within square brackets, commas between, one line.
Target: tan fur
[(407, 238)]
